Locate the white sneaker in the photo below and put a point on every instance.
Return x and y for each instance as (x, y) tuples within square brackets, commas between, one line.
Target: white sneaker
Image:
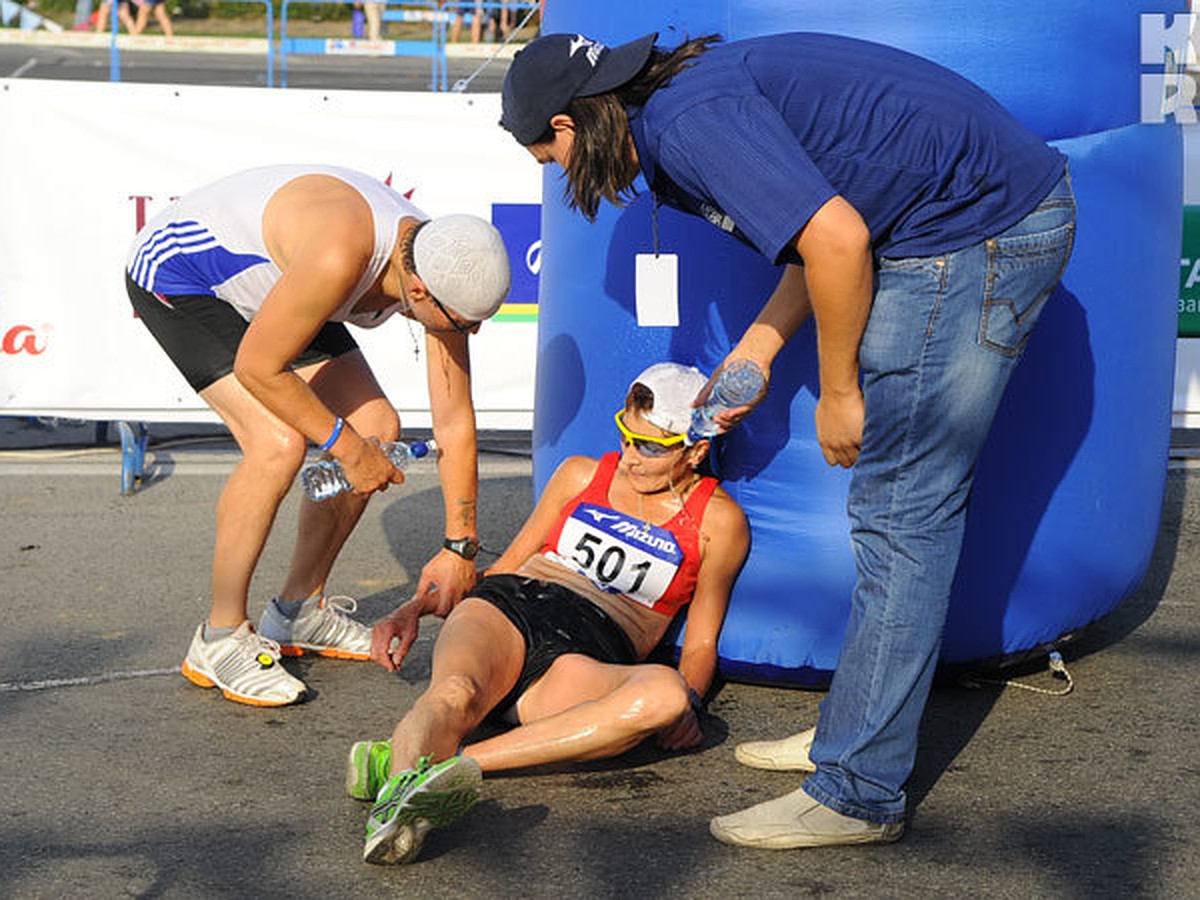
[(323, 626), (797, 820), (787, 754), (244, 665)]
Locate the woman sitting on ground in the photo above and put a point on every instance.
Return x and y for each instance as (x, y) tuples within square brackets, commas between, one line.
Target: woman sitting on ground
[(553, 638)]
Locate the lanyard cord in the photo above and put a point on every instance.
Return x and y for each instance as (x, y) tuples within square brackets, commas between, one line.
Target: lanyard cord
[(654, 221)]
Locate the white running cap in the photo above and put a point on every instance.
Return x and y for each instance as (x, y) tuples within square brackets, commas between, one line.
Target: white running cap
[(463, 262), (674, 388)]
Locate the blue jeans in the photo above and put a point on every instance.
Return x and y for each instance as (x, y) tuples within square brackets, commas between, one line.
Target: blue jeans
[(943, 337)]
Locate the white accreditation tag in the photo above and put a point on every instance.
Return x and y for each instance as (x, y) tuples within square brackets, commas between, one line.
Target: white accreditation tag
[(656, 289)]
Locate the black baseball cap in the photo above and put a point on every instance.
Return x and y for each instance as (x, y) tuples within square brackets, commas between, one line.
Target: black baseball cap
[(544, 77)]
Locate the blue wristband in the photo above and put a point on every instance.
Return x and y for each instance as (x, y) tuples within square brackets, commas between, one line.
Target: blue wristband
[(337, 433)]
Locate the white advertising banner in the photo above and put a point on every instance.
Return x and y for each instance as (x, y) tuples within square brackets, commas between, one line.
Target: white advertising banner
[(82, 165)]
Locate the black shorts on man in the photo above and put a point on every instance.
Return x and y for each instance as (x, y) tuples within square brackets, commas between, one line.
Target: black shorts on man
[(201, 334)]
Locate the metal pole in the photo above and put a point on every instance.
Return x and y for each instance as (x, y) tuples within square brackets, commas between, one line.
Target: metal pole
[(114, 55), (270, 45), (283, 53)]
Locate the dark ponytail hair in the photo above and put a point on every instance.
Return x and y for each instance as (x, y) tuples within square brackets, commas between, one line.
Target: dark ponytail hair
[(601, 164)]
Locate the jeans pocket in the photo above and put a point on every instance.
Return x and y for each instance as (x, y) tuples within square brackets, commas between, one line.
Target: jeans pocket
[(1022, 272)]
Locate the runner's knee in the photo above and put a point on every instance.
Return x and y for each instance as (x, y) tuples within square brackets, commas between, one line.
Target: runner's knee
[(378, 420), (458, 694), (277, 454), (657, 697)]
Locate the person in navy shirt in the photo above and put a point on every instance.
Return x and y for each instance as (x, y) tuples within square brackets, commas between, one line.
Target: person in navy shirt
[(924, 228)]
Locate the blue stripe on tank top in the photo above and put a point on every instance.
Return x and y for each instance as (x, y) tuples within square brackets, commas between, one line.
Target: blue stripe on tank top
[(184, 258)]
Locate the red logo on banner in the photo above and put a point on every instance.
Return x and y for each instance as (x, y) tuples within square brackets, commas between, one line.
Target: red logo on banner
[(22, 339)]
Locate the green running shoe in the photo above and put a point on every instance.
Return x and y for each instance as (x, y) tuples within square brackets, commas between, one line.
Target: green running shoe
[(414, 802), (368, 769)]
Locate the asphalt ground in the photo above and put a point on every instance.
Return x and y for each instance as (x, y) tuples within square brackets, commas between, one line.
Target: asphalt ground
[(120, 778)]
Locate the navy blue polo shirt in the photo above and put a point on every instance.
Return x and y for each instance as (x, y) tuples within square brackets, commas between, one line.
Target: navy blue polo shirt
[(758, 134)]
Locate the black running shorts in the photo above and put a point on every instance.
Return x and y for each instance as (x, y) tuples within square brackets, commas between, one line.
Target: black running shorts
[(553, 620), (201, 334)]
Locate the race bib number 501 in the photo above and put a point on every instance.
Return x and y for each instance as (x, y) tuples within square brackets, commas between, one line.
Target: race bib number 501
[(618, 553)]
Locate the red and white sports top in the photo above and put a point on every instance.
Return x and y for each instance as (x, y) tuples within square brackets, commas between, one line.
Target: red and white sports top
[(651, 565)]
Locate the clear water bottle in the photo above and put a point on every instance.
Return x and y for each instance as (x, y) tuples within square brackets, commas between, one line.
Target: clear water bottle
[(738, 384), (325, 479)]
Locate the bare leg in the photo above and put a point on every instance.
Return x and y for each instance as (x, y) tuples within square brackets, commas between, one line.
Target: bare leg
[(477, 24), (476, 661), (272, 454), (164, 20), (374, 14), (347, 386), (584, 709), (103, 17)]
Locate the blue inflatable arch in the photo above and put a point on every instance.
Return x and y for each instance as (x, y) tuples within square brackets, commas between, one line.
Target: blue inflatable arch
[(1069, 489)]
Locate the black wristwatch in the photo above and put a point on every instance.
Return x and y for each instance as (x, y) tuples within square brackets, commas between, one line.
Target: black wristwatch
[(466, 547)]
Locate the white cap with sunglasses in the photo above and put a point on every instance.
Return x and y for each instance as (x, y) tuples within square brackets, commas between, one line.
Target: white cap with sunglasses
[(674, 387)]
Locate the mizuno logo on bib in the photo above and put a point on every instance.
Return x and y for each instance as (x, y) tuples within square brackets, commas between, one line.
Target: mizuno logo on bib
[(619, 553)]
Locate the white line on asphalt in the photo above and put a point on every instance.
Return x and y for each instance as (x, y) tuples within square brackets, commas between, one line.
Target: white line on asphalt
[(9, 687), (23, 68)]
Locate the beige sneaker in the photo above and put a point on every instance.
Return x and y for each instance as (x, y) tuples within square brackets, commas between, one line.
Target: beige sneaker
[(244, 665), (797, 820), (323, 626), (787, 754)]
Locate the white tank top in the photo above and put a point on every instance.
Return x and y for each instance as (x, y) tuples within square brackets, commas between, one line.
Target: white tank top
[(210, 242)]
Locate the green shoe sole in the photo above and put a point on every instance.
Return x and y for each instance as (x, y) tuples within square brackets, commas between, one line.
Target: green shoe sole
[(401, 840), (433, 801)]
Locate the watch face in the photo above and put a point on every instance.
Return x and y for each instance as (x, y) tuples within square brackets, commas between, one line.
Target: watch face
[(464, 547)]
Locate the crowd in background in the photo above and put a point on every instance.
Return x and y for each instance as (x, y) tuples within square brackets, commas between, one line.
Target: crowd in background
[(491, 21), (134, 22)]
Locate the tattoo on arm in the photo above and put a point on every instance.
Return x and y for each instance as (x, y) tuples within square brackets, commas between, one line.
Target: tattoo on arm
[(466, 513)]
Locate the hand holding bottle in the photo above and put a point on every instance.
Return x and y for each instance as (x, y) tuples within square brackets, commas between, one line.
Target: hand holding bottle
[(377, 466), (732, 392), (368, 468)]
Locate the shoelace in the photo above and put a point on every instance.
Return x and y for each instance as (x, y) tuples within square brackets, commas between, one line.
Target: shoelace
[(341, 605), (403, 781), (268, 646)]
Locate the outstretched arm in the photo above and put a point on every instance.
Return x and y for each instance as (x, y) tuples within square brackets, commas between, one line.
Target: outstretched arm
[(448, 576), (728, 542), (835, 285), (393, 636)]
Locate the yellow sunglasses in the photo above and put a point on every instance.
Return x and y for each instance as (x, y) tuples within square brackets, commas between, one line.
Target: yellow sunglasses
[(647, 444)]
